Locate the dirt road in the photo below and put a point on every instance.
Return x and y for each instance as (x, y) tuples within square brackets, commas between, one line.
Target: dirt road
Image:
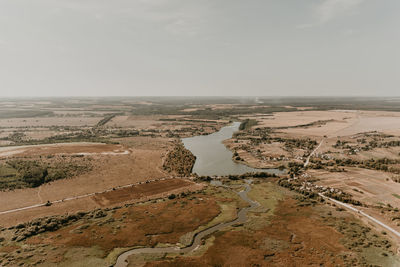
[(360, 212), (77, 197), (312, 153)]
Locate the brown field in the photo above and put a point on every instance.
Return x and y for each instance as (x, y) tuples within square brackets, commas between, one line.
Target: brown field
[(375, 185), (143, 162), (134, 194), (290, 119), (158, 188), (50, 121), (339, 123), (66, 148), (38, 134)]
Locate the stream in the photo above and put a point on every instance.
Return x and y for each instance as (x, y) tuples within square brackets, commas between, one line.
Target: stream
[(197, 238)]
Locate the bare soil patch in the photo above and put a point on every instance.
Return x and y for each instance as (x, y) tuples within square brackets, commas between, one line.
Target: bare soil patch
[(142, 191)]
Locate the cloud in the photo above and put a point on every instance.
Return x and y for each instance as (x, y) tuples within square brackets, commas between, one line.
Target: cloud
[(330, 9)]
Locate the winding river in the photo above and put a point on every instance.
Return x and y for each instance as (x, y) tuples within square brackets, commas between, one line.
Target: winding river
[(197, 238)]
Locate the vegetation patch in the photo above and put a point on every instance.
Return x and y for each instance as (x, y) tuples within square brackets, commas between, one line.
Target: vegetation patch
[(247, 124), (370, 247), (21, 172), (396, 195), (179, 161)]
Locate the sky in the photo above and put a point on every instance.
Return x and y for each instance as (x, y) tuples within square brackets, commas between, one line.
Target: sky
[(199, 47)]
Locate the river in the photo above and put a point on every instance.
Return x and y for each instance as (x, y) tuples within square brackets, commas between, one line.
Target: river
[(213, 158)]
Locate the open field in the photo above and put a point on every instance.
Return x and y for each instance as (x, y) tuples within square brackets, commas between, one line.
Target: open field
[(372, 187), (331, 123), (102, 199), (108, 171), (51, 121), (58, 149)]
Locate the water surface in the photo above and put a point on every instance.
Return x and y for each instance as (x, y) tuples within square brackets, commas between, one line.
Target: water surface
[(213, 158)]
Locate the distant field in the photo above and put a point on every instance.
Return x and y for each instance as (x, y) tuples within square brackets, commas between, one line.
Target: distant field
[(5, 114), (49, 121)]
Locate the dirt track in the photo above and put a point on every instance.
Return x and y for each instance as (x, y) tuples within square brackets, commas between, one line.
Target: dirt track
[(140, 191), (360, 212)]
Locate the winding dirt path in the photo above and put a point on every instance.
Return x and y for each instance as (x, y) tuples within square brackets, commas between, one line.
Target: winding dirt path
[(122, 260)]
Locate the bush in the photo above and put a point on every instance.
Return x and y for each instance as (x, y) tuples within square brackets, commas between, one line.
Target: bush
[(33, 174)]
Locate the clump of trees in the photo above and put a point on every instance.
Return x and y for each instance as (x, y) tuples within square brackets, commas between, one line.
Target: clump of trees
[(343, 197), (293, 186), (382, 164), (295, 168), (250, 174), (33, 173), (247, 124), (179, 161), (306, 144)]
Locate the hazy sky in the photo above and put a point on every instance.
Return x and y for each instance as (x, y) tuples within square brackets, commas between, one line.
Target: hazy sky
[(199, 47)]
